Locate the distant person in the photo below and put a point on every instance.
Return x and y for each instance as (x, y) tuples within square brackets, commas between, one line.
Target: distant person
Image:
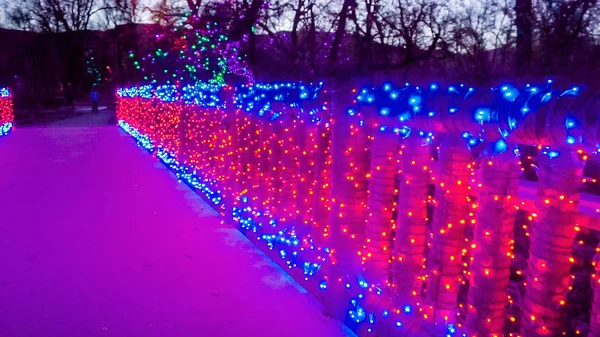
[(69, 97), (94, 98)]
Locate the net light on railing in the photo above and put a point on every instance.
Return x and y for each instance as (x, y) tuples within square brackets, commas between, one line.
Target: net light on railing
[(251, 161), (6, 111)]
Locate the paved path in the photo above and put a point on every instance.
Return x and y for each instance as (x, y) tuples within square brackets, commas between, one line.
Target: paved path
[(98, 239)]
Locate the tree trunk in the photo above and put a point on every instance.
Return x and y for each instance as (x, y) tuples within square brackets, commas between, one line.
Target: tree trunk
[(244, 26), (449, 225), (595, 283), (524, 39), (552, 235), (490, 268), (348, 201), (339, 36), (382, 187), (411, 222)]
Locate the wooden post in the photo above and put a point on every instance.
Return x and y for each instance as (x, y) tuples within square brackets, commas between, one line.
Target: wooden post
[(552, 235), (595, 314), (491, 249), (411, 223), (348, 198), (289, 187), (305, 175), (449, 225), (246, 149), (263, 177), (183, 136), (234, 170), (274, 156), (322, 179), (382, 188)]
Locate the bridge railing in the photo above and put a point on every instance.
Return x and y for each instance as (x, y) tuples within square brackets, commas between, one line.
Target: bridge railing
[(6, 111), (396, 205)]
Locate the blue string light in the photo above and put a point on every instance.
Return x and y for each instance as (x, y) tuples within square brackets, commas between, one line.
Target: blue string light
[(4, 92), (270, 100), (201, 94), (505, 106), (6, 111), (5, 128)]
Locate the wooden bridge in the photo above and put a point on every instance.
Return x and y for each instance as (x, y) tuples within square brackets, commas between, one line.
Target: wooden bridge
[(402, 209)]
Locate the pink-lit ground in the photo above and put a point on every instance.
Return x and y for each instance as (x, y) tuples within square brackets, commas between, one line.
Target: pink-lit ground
[(98, 239)]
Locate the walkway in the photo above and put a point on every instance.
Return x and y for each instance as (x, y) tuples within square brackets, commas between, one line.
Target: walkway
[(98, 239)]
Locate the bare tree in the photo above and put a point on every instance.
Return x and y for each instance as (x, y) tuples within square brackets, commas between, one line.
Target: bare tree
[(300, 46), (523, 22), (347, 9), (417, 26), (481, 35), (20, 18), (245, 23), (369, 28), (565, 29), (168, 12), (120, 17), (62, 15), (195, 6), (118, 12), (68, 21)]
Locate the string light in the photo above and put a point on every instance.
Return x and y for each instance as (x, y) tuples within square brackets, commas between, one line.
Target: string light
[(192, 50), (6, 111), (318, 188)]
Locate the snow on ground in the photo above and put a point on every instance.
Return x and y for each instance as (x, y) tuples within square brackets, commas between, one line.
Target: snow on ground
[(60, 117), (86, 118), (98, 239)]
